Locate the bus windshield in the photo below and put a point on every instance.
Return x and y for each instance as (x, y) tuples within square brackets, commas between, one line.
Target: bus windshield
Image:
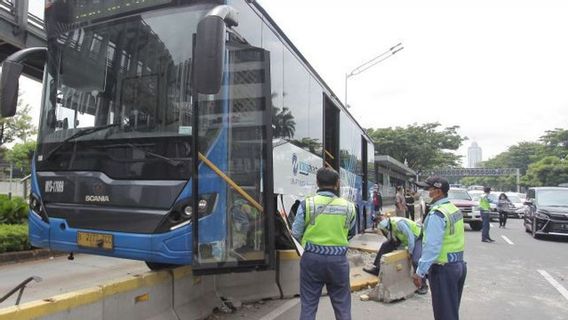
[(118, 97)]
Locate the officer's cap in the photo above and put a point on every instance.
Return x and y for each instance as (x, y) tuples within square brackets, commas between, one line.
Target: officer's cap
[(435, 182)]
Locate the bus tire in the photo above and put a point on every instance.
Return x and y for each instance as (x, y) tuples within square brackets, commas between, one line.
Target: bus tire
[(156, 266)]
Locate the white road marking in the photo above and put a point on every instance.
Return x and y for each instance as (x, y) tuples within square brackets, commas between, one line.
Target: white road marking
[(280, 310), (507, 240), (554, 283)]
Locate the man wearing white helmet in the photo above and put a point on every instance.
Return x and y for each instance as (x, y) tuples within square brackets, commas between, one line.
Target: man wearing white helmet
[(400, 233)]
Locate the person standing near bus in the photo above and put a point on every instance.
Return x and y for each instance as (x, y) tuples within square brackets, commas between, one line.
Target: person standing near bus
[(324, 224), (442, 251), (400, 202)]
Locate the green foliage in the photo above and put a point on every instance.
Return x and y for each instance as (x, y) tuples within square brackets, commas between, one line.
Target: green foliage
[(424, 147), (556, 142), (13, 211), (550, 171), (14, 238), (21, 155), (17, 127)]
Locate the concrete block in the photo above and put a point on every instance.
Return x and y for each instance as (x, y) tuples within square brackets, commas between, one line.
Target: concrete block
[(248, 286), (395, 278), (146, 296), (194, 297), (289, 272), (82, 304)]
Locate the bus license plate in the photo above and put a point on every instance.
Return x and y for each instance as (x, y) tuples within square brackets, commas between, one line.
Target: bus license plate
[(94, 240)]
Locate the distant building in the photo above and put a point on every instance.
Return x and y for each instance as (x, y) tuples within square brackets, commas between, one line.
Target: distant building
[(473, 155)]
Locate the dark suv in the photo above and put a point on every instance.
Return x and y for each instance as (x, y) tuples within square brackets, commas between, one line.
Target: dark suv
[(546, 211)]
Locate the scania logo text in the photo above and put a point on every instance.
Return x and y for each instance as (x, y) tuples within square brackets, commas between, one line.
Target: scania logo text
[(91, 198)]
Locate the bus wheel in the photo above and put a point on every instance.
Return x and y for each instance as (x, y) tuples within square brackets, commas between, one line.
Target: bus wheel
[(156, 266)]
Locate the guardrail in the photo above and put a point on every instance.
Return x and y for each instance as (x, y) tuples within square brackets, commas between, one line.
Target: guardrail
[(20, 288)]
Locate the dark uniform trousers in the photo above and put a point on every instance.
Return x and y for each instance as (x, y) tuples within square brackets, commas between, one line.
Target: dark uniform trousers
[(317, 270), (446, 285)]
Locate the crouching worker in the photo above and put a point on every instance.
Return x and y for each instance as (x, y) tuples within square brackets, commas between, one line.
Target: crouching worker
[(323, 224), (401, 233)]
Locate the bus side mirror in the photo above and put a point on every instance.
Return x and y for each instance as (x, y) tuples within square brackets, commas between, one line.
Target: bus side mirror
[(11, 72), (209, 54), (12, 68)]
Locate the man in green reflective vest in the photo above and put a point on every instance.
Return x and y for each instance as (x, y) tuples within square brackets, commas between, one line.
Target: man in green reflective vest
[(324, 223), (400, 232), (485, 208), (442, 251)]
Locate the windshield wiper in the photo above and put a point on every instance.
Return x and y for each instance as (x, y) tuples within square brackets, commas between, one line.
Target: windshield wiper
[(170, 161), (77, 135)]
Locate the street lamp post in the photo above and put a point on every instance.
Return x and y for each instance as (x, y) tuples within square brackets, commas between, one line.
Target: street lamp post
[(367, 65)]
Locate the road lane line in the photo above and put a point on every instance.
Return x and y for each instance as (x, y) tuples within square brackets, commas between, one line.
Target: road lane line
[(554, 283), (280, 310), (507, 240)]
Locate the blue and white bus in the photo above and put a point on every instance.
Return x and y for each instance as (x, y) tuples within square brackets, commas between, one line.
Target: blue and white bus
[(179, 132)]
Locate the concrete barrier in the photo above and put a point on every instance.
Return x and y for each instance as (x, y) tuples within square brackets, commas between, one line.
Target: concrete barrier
[(395, 278), (168, 295), (146, 296), (289, 273), (194, 297)]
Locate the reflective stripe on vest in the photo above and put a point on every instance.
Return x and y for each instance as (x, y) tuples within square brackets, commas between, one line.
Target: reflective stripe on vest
[(484, 203), (454, 242), (327, 221), (413, 226)]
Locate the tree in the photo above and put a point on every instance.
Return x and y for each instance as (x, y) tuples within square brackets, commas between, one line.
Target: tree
[(556, 142), (424, 147), (17, 127), (550, 171), (283, 123), (21, 155)]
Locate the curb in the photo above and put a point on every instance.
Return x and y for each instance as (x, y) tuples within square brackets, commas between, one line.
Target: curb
[(22, 256)]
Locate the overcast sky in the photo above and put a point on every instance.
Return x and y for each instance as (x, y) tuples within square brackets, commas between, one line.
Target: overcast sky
[(498, 69), (500, 72)]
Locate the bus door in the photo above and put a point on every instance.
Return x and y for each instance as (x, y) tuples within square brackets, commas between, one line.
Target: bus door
[(235, 163), (331, 133)]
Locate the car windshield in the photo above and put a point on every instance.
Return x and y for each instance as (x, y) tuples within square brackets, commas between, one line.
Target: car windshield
[(552, 198), (514, 198), (458, 195)]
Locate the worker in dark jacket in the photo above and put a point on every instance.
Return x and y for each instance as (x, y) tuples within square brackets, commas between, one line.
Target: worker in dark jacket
[(323, 224)]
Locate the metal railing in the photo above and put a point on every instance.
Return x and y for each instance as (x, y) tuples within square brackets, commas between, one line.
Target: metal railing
[(20, 289)]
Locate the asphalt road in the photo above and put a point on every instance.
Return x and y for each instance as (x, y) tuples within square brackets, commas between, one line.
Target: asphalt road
[(60, 275), (506, 280)]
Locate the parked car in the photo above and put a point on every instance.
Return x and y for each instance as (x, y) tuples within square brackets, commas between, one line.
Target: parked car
[(468, 207), (546, 211), (518, 203)]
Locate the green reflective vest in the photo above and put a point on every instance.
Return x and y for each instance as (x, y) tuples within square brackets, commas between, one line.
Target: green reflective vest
[(414, 228), (484, 203), (327, 221), (453, 243)]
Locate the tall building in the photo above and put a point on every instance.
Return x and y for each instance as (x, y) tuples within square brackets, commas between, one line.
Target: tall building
[(473, 155)]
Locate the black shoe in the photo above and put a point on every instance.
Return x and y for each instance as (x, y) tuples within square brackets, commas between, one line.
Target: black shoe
[(422, 290), (485, 240), (491, 240), (373, 270)]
